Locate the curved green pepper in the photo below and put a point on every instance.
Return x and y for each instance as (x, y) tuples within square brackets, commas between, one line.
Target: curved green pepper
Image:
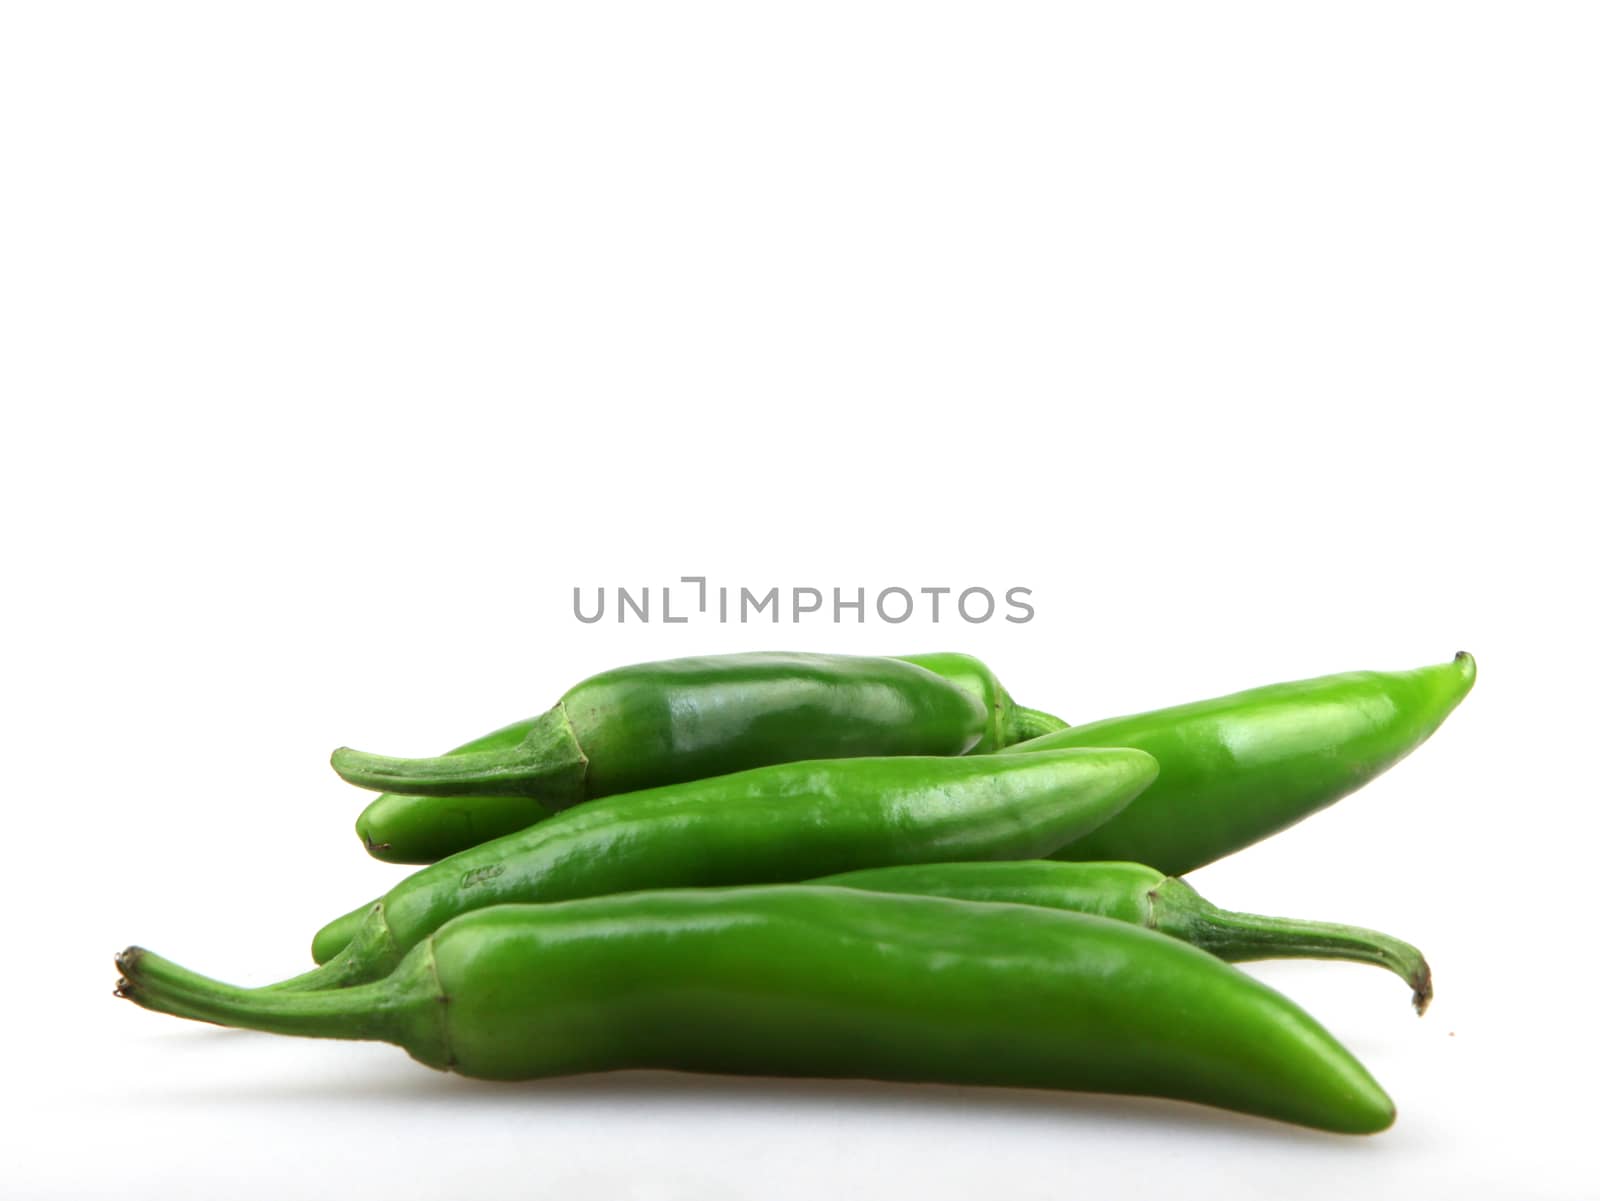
[(1125, 892), (1241, 767), (817, 981), (1131, 892), (662, 723), (790, 821)]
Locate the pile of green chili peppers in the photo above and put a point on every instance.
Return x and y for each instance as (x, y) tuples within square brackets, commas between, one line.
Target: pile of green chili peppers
[(882, 868)]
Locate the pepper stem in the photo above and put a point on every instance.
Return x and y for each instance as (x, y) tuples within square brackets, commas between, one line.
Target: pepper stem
[(368, 1011), (1023, 723), (547, 763), (1238, 937), (370, 951)]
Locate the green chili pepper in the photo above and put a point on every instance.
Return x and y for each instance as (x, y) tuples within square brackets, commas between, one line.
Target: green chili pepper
[(1241, 767), (791, 821), (816, 981), (1131, 892), (1126, 892), (663, 723)]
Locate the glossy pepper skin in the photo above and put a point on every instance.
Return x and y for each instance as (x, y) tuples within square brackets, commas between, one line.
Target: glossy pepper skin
[(822, 982), (1142, 896), (788, 822), (662, 723), (1239, 768)]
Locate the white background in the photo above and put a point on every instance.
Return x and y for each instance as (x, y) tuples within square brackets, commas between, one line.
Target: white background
[(341, 341)]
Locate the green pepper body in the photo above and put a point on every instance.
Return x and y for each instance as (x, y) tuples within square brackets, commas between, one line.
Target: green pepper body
[(1142, 896), (822, 982), (1239, 768), (683, 719), (787, 822)]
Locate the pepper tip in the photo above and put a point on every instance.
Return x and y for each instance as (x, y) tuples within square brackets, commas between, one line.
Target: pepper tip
[(1422, 989)]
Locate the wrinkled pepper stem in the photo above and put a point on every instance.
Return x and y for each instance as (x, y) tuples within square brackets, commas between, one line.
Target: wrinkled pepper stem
[(384, 1010), (1024, 723), (367, 949), (1176, 909), (547, 764)]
